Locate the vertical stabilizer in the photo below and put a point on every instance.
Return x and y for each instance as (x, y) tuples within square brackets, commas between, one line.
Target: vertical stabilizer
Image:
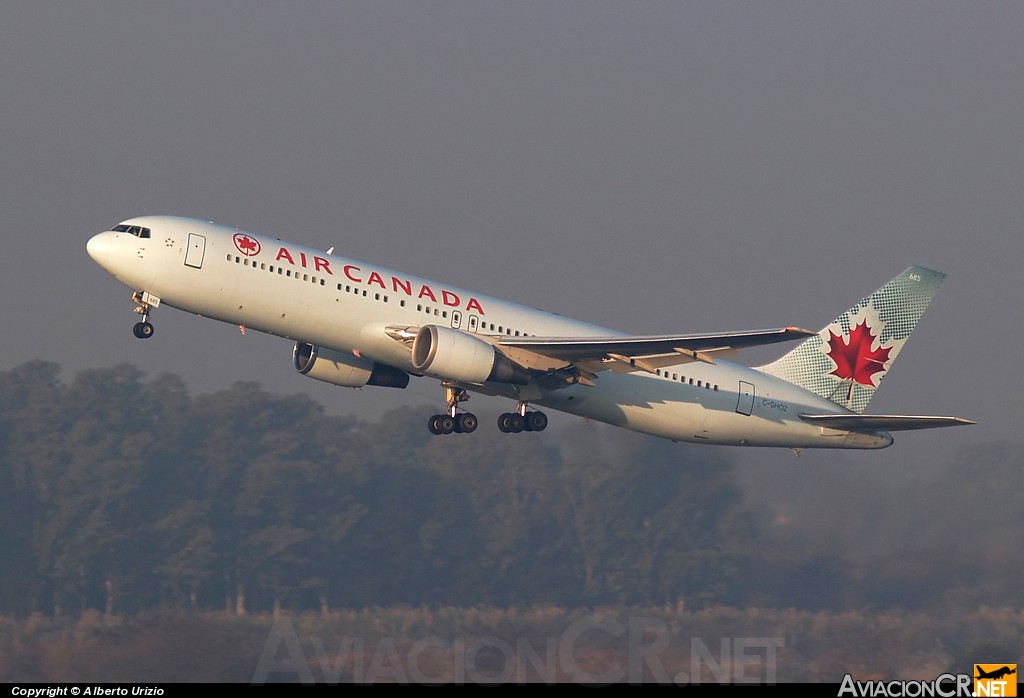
[(847, 360)]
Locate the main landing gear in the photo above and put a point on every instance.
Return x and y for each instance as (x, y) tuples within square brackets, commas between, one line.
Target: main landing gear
[(457, 422), (143, 305), (521, 420), (453, 420)]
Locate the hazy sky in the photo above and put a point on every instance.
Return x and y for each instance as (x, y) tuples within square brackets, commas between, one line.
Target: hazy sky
[(651, 166)]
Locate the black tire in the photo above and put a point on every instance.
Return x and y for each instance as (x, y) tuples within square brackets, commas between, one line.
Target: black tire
[(466, 423), (143, 330), (503, 422), (445, 424), (536, 421), (516, 424), (432, 424)]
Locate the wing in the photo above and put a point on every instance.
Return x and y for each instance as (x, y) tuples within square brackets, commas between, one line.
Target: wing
[(561, 361), (624, 353), (882, 422)]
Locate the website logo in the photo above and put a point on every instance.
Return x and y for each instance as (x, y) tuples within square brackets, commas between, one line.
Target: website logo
[(995, 679)]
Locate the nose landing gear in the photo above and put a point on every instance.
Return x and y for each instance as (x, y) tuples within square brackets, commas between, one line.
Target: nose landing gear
[(144, 304)]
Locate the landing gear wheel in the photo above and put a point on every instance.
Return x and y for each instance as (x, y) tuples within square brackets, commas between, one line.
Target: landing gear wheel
[(516, 423), (504, 420), (466, 422), (143, 330), (432, 424), (536, 421), (445, 424)]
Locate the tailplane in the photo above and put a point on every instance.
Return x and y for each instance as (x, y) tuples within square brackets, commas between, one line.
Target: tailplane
[(847, 360)]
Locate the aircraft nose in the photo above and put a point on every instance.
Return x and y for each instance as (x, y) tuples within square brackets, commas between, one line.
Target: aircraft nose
[(98, 247)]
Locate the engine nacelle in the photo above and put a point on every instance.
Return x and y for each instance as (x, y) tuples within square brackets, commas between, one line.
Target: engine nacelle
[(446, 353), (345, 370)]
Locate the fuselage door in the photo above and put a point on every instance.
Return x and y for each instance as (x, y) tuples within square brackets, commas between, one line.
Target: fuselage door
[(745, 401), (456, 319), (195, 251)]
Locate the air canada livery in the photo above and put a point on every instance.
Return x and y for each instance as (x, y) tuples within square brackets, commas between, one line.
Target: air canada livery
[(356, 324)]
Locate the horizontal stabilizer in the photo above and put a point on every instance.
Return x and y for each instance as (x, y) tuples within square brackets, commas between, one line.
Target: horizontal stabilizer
[(881, 422)]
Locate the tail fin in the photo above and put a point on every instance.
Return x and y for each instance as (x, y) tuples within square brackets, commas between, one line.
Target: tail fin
[(847, 360)]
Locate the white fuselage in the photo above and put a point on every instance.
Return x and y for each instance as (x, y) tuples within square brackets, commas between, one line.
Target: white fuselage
[(308, 295)]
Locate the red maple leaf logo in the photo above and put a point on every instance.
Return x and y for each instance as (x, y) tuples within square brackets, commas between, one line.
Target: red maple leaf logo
[(246, 245), (856, 360)]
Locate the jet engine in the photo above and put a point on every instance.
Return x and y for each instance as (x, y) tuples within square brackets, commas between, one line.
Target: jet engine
[(345, 370), (446, 353)]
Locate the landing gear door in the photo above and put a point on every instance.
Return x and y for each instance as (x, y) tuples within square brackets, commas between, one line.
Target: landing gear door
[(196, 251), (745, 401)]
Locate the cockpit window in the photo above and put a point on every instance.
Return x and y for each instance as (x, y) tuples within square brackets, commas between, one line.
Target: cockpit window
[(136, 230)]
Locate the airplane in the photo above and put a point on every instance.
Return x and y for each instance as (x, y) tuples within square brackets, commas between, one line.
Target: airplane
[(995, 674), (356, 324)]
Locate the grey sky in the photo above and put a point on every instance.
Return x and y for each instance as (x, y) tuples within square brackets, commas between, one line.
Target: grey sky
[(654, 167)]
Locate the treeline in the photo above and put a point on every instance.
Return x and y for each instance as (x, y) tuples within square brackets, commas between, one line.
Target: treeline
[(121, 494)]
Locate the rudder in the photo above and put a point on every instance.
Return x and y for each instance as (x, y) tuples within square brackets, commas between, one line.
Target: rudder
[(848, 359)]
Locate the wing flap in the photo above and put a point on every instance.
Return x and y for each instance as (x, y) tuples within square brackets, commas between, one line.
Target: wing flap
[(882, 422)]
